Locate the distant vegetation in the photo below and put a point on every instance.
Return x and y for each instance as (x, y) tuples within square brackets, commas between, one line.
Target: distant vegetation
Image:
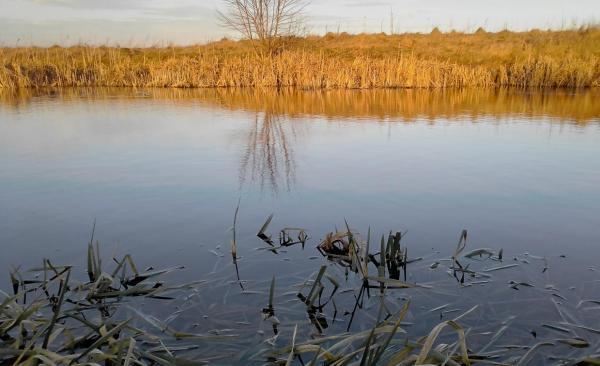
[(568, 58)]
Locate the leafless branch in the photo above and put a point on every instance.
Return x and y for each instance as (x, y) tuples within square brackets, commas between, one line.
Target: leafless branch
[(264, 21)]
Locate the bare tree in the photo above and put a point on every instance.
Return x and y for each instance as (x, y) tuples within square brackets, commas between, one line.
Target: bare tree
[(264, 21)]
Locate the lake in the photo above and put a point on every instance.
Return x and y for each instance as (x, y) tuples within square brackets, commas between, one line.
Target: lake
[(160, 172)]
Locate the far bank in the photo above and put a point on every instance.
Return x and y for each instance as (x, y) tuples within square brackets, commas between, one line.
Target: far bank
[(555, 59)]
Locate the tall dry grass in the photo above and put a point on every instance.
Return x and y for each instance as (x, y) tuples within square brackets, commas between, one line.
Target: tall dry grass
[(532, 59)]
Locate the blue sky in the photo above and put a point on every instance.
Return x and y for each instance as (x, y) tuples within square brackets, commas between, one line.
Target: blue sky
[(147, 22)]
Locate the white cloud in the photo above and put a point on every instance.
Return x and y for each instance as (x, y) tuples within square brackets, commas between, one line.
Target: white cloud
[(191, 21)]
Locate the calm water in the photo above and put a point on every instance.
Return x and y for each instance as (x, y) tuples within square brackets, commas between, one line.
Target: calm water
[(161, 172)]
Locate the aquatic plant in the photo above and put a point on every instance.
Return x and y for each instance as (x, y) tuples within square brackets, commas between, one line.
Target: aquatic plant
[(53, 318)]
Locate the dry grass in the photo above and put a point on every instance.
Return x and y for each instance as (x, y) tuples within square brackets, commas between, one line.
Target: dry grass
[(336, 61)]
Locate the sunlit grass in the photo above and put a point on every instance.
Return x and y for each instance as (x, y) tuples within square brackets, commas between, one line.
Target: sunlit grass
[(569, 58)]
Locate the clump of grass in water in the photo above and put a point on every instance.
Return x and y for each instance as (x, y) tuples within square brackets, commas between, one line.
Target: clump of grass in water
[(234, 256), (373, 346), (56, 320), (52, 319), (381, 345), (287, 236)]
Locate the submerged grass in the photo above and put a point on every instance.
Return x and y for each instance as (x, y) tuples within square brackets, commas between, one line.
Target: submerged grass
[(569, 58), (55, 320), (52, 318)]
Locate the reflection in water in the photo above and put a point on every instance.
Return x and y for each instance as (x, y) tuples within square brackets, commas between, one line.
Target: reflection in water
[(411, 105), (268, 159), (139, 163), (572, 106)]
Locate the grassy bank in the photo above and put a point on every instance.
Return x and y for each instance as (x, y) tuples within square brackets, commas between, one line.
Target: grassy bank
[(336, 61)]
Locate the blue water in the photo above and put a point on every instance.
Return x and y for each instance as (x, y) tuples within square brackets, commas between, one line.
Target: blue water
[(161, 177)]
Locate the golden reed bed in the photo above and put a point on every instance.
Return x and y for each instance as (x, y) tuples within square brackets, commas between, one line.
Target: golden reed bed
[(336, 61)]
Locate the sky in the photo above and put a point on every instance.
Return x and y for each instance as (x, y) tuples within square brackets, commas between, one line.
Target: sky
[(182, 22)]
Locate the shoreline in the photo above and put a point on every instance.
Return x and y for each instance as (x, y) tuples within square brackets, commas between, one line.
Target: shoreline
[(404, 104)]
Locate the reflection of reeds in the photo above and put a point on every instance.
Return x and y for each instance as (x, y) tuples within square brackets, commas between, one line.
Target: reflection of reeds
[(408, 105), (269, 156), (532, 59), (411, 105)]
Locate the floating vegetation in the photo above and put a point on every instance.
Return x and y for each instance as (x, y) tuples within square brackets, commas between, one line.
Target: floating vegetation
[(54, 319), (269, 311), (287, 236), (292, 236), (366, 304), (234, 245)]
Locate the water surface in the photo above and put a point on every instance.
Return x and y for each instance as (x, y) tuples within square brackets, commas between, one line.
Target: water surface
[(161, 172)]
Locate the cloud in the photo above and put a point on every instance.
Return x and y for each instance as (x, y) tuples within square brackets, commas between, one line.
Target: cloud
[(107, 9), (370, 4), (182, 12), (128, 33), (125, 4), (190, 21), (92, 4)]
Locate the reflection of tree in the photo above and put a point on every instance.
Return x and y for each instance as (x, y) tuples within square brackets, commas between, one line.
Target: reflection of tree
[(269, 156)]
